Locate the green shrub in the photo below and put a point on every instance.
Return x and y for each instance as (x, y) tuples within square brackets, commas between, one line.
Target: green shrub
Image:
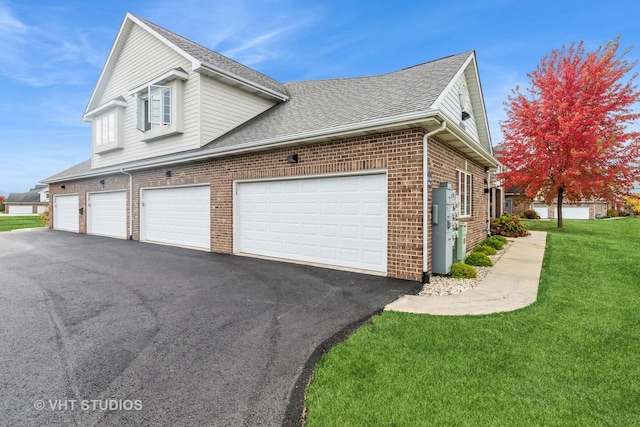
[(612, 213), (530, 214), (460, 270), (494, 243), (479, 259), (508, 225), (499, 238), (485, 249)]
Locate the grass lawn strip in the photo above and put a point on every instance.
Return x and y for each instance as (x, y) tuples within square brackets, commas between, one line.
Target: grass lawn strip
[(569, 359), (8, 223)]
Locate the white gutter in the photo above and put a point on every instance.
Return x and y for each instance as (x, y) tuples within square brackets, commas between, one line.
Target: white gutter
[(425, 201), (130, 203), (336, 132)]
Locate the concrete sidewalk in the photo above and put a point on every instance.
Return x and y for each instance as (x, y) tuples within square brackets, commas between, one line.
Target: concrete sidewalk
[(511, 284)]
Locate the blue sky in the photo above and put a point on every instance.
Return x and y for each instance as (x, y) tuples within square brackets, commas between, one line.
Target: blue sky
[(51, 53)]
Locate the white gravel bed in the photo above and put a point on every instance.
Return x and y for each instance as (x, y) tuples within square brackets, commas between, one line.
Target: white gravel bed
[(445, 285)]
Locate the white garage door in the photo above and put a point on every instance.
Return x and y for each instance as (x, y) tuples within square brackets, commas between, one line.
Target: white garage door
[(177, 216), (65, 212), (573, 213), (543, 212), (339, 221), (20, 209), (107, 214)]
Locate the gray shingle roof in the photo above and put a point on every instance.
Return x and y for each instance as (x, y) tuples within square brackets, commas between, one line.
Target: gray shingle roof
[(320, 105), (207, 56), (32, 196), (325, 104)]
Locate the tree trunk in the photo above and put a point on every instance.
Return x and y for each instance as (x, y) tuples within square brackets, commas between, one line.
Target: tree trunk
[(560, 197)]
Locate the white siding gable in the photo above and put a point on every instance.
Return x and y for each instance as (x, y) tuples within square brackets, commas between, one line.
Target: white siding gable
[(208, 107), (476, 128), (451, 107), (225, 107)]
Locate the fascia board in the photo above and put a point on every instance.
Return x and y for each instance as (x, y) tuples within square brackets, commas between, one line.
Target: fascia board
[(203, 67), (452, 82)]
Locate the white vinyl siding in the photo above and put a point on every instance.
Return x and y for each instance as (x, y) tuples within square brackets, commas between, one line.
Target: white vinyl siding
[(225, 107), (451, 107), (338, 221), (142, 58)]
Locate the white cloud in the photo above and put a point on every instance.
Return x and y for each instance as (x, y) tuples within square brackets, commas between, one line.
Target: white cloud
[(46, 52), (251, 32)]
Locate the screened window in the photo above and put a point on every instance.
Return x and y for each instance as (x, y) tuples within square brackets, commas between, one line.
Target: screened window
[(465, 193)]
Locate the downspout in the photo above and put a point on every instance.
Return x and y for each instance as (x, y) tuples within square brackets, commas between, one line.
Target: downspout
[(130, 203), (489, 190), (425, 201)]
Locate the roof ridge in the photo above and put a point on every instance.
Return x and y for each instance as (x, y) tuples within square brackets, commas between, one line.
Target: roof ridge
[(231, 65)]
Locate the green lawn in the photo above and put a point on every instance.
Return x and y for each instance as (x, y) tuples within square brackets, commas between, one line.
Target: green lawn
[(570, 359), (8, 222)]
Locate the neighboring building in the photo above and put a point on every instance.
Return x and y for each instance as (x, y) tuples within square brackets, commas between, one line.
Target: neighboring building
[(34, 201), (193, 149)]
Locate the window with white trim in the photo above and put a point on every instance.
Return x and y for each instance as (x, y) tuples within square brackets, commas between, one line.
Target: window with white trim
[(105, 128), (465, 193), (154, 108), (108, 129)]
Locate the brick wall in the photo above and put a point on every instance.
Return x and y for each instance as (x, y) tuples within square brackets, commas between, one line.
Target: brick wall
[(443, 164), (399, 153)]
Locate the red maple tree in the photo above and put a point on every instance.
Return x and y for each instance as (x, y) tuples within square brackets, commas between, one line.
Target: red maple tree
[(572, 136)]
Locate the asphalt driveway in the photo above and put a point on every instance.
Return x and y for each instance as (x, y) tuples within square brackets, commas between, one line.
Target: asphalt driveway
[(100, 331)]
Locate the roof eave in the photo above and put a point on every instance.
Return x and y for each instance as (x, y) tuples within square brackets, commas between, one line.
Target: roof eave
[(209, 69), (421, 119)]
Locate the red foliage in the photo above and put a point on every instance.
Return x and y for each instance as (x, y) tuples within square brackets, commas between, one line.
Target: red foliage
[(572, 136), (2, 199)]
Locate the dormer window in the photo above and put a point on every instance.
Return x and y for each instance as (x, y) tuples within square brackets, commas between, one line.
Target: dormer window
[(154, 108), (108, 126), (159, 106)]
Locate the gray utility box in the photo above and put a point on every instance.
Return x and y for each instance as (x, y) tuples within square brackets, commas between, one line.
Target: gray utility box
[(461, 242), (442, 220)]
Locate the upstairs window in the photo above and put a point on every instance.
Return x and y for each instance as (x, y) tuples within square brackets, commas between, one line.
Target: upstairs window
[(154, 108), (105, 129), (159, 105), (108, 128)]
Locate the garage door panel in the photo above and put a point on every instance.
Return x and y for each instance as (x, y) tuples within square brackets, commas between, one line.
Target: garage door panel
[(322, 220), (107, 214), (65, 212), (177, 216), (19, 209)]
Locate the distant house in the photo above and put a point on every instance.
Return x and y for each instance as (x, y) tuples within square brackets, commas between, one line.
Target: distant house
[(33, 201), (193, 149), (516, 202)]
